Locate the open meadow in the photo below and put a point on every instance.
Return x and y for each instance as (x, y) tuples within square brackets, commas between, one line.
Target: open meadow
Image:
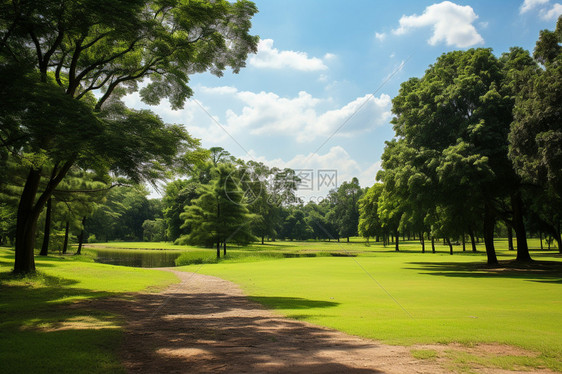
[(406, 298)]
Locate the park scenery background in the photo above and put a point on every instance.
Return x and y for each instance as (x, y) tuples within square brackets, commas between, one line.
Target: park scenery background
[(442, 233)]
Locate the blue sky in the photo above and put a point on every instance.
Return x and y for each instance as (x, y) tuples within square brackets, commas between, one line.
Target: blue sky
[(329, 64)]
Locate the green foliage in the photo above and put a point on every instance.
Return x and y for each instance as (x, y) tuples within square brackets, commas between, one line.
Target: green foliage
[(369, 222), (56, 53), (122, 215), (536, 134), (154, 230), (219, 215)]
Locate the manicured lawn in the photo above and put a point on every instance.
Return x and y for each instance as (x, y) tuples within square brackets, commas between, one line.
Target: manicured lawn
[(408, 298), (399, 298), (44, 328)]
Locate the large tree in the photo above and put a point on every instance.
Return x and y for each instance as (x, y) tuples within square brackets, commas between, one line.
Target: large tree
[(219, 215), (74, 48), (536, 135), (461, 110)]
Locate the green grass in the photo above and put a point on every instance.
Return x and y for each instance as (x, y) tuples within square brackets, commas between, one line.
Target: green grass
[(409, 298), (400, 298), (46, 328), (424, 354)]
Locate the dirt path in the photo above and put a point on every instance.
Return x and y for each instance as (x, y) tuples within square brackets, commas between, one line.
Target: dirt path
[(205, 324)]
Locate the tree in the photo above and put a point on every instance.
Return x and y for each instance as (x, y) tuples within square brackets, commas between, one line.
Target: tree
[(369, 222), (177, 195), (535, 140), (154, 230), (75, 48), (219, 214), (462, 109), (346, 209)]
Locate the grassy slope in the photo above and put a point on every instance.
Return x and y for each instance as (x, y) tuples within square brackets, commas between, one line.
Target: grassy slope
[(451, 298), (43, 328)]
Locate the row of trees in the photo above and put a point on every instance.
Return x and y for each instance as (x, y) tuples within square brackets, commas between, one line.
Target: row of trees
[(478, 140), (222, 200)]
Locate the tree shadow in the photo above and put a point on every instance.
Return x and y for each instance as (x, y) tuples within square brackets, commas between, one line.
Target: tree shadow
[(280, 302), (42, 331), (535, 271), (214, 332)]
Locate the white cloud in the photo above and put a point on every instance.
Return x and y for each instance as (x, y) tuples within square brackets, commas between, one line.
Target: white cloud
[(362, 114), (337, 158), (451, 23), (303, 117), (272, 58), (542, 6), (531, 4), (552, 13), (221, 90), (380, 36)]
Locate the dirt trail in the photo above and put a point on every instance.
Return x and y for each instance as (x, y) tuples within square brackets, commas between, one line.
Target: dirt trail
[(205, 324)]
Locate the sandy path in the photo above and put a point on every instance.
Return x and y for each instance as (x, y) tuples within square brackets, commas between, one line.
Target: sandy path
[(205, 324)]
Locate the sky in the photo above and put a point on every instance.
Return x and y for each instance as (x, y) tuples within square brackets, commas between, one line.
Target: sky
[(317, 96)]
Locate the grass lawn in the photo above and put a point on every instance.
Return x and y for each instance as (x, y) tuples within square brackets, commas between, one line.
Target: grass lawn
[(43, 329), (400, 298), (407, 298)]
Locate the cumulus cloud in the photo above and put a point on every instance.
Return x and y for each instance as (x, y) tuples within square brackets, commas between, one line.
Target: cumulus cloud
[(552, 13), (272, 58), (530, 5), (451, 23), (543, 7), (303, 116)]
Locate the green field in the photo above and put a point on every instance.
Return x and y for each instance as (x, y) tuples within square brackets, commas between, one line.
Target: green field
[(46, 320), (401, 298), (408, 298)]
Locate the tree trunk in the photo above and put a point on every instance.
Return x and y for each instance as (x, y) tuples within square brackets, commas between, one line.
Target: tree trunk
[(224, 249), (28, 214), (540, 236), (432, 244), (218, 248), (81, 237), (47, 231), (26, 225), (510, 238), (348, 239), (422, 242), (262, 240), (66, 230), (519, 227), (463, 243), (472, 241), (396, 242), (489, 223), (450, 245), (559, 242)]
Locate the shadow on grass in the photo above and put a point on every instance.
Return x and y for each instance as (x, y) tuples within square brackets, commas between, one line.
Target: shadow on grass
[(280, 302), (193, 330), (42, 332), (535, 271)]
